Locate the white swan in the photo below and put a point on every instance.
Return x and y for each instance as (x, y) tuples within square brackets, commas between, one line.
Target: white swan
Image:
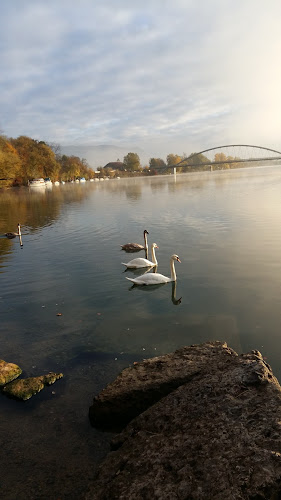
[(135, 247), (13, 235), (140, 262), (156, 278)]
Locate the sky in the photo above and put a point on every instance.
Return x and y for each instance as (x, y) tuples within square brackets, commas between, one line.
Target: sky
[(166, 77)]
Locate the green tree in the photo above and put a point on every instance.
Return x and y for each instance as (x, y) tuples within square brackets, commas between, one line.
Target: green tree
[(196, 160), (155, 163), (132, 162)]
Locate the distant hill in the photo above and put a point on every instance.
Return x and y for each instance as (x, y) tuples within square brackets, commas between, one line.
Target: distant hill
[(99, 156)]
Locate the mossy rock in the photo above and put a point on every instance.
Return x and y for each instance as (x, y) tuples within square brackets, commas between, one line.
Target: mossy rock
[(8, 372), (25, 388)]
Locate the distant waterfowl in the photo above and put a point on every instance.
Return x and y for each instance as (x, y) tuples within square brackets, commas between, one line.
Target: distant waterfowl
[(156, 278), (140, 262), (13, 235), (135, 247)]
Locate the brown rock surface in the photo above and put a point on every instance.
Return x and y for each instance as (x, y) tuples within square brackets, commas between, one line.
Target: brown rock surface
[(145, 383), (217, 436), (8, 372)]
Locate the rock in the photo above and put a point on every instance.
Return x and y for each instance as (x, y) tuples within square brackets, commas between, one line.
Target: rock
[(143, 384), (25, 388), (8, 372), (217, 436)]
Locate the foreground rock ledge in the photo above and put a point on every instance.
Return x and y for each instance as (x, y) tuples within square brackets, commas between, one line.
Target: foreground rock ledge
[(216, 436)]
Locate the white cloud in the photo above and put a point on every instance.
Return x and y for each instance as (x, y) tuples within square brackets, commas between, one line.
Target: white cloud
[(168, 77)]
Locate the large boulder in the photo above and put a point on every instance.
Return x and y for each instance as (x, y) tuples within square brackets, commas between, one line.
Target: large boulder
[(143, 384), (8, 372), (216, 436)]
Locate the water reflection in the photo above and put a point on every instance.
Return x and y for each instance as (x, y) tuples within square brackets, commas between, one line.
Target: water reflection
[(152, 288), (36, 208), (139, 271), (175, 301)]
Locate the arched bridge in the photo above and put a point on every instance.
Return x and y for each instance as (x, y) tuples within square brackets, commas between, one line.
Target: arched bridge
[(225, 156)]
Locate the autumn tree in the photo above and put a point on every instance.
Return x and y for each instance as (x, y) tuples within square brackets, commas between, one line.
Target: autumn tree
[(222, 159), (132, 162), (69, 167), (173, 159), (72, 167), (37, 158), (10, 163)]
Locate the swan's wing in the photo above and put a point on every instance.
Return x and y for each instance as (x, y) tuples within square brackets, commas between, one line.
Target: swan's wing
[(132, 246), (140, 262), (150, 279)]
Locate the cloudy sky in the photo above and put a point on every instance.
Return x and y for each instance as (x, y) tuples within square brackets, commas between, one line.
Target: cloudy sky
[(165, 76)]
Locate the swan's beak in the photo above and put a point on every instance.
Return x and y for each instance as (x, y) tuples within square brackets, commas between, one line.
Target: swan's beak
[(178, 260)]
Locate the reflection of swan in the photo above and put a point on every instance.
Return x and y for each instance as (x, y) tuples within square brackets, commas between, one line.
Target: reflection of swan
[(140, 262), (150, 288), (13, 235), (175, 301), (156, 278), (139, 270), (135, 247)]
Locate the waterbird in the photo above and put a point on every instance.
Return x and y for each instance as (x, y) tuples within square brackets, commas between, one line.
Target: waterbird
[(135, 247), (140, 262), (13, 235), (157, 278)]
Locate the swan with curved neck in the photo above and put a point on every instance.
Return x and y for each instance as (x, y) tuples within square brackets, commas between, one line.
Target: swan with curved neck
[(13, 235), (135, 247), (140, 262), (157, 278)]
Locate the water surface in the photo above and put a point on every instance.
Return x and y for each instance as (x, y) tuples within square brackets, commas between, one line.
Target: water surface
[(225, 227)]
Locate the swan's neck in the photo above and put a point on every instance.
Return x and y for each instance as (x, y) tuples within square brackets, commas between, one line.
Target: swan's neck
[(19, 231), (145, 242), (153, 256), (173, 271)]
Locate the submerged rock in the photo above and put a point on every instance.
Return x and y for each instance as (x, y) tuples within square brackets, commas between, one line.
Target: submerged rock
[(8, 372), (25, 388), (216, 436)]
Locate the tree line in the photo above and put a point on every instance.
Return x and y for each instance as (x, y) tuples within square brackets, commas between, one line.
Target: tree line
[(23, 159)]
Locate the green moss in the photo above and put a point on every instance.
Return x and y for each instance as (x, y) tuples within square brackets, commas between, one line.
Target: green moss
[(8, 372), (26, 388)]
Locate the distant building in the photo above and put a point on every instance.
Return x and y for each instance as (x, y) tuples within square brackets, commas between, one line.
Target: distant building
[(115, 165)]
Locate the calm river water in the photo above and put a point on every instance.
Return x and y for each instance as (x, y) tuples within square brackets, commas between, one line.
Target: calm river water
[(225, 227)]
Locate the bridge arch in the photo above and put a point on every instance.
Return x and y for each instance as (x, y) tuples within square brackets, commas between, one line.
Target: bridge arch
[(261, 148)]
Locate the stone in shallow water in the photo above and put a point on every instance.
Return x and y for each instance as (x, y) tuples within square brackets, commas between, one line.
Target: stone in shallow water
[(25, 388), (8, 372)]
